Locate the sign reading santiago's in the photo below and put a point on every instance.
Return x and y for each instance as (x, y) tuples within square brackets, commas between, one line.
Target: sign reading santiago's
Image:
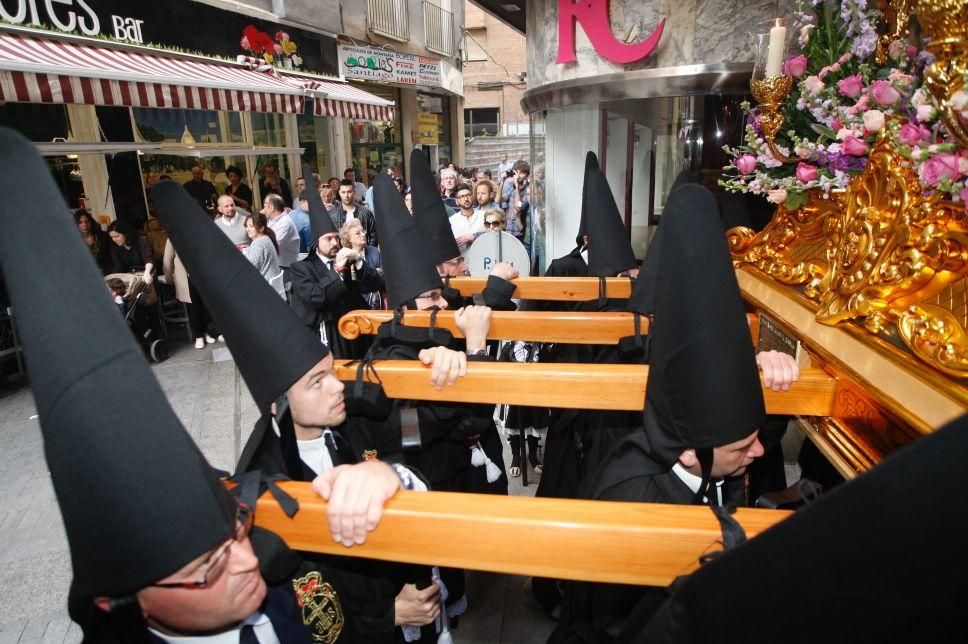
[(370, 63)]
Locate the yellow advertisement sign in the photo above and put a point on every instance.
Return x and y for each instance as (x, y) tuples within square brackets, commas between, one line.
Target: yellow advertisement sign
[(429, 127)]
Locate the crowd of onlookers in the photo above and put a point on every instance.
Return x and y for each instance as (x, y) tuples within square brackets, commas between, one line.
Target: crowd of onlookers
[(277, 235)]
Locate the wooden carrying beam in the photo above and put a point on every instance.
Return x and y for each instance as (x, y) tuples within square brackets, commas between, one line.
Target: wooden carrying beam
[(562, 289), (629, 543), (534, 326), (572, 386)]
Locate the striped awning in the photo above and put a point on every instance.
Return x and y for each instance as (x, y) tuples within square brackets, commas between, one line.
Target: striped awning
[(35, 69), (333, 98)]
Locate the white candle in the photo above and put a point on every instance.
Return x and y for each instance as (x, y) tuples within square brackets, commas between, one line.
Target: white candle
[(774, 56)]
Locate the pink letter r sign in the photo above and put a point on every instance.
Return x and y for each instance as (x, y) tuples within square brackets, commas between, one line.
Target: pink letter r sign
[(593, 17)]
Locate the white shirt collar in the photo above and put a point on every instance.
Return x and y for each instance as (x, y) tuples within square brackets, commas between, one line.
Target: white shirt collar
[(230, 222), (314, 452), (260, 623), (692, 481)]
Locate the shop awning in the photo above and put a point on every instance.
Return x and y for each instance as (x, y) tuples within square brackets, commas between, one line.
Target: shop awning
[(333, 98), (38, 69)]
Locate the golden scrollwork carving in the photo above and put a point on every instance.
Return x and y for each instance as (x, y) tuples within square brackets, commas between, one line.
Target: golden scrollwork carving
[(896, 14), (875, 253), (351, 326), (770, 94), (945, 23)]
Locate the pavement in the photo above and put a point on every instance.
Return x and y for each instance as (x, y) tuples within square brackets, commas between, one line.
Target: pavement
[(205, 390)]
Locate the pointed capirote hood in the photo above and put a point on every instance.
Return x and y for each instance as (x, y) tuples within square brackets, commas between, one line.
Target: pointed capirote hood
[(609, 249), (138, 499), (591, 163), (880, 558), (320, 222), (407, 265), (642, 299), (701, 348), (270, 344), (429, 211)]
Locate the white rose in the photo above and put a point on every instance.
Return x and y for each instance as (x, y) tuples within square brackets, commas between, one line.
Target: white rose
[(926, 112), (813, 85), (776, 196), (805, 34), (874, 120), (918, 98), (843, 133)]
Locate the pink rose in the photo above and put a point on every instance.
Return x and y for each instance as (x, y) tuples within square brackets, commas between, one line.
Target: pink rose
[(851, 87), (836, 124), (813, 85), (939, 167), (796, 66), (874, 120), (806, 172), (884, 93), (776, 196), (910, 134), (245, 42), (278, 49), (746, 164), (853, 146)]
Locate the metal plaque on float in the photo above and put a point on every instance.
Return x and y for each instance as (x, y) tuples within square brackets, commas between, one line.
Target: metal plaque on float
[(491, 248)]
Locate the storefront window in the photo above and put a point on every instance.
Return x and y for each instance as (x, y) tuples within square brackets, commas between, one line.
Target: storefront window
[(375, 145), (314, 139), (42, 124), (269, 130), (205, 126), (439, 107)]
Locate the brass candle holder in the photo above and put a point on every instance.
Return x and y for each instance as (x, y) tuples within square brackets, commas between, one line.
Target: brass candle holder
[(945, 23), (770, 94)]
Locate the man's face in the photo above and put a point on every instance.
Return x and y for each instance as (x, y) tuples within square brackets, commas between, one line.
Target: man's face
[(728, 460), (334, 184), (456, 267), (504, 157), (300, 185), (329, 245), (316, 399), (449, 181), (235, 593), (350, 174), (463, 198), (197, 174), (347, 194), (233, 177), (430, 299), (484, 194), (226, 207), (267, 208)]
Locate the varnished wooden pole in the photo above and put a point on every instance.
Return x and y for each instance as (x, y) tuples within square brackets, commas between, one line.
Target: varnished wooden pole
[(629, 543), (563, 289), (572, 386)]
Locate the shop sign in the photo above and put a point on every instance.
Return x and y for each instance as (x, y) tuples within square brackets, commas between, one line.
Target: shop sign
[(429, 129), (151, 22), (593, 16), (369, 63)]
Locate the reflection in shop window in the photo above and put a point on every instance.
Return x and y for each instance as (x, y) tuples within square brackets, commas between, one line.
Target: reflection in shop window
[(205, 126)]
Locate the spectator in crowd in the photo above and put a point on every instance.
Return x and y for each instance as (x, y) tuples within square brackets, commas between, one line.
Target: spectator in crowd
[(274, 184), (300, 216), (131, 252), (401, 185), (198, 316), (468, 222), (359, 190), (494, 219), (408, 199), (287, 237), (263, 252), (328, 195), (448, 183), (96, 239), (201, 190), (334, 184), (352, 235), (230, 222), (241, 193), (155, 233), (484, 193), (505, 167), (482, 174), (514, 200), (348, 209)]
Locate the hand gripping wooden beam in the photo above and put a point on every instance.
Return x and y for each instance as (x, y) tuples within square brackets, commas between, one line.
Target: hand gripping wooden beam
[(562, 289), (572, 386), (629, 543)]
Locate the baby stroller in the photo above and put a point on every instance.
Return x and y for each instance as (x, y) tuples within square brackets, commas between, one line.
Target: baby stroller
[(135, 300)]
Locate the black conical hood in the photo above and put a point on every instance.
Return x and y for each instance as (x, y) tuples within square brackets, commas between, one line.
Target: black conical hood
[(429, 211), (704, 387), (270, 344), (591, 163), (609, 248), (407, 266), (137, 497), (642, 299), (881, 558), (320, 222)]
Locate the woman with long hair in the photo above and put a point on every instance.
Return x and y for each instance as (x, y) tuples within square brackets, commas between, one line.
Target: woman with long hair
[(263, 252), (131, 252), (96, 239)]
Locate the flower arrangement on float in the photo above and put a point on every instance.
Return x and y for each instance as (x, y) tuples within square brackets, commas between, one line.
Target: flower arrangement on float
[(838, 101), (281, 49)]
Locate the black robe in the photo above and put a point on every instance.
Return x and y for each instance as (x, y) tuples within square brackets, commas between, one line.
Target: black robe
[(596, 612), (321, 297)]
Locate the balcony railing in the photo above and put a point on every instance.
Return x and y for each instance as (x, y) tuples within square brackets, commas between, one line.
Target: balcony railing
[(388, 18), (438, 29)]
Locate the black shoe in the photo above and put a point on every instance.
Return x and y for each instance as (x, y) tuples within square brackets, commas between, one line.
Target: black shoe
[(534, 450), (514, 440)]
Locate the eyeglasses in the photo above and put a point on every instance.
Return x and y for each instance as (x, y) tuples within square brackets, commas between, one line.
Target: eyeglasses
[(492, 224), (467, 196), (219, 561)]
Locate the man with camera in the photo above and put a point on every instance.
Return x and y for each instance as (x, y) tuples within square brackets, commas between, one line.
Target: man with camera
[(514, 200)]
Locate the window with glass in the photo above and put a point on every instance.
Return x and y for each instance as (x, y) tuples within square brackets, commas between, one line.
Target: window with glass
[(315, 140), (195, 127), (440, 106), (481, 121), (538, 197), (375, 145)]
